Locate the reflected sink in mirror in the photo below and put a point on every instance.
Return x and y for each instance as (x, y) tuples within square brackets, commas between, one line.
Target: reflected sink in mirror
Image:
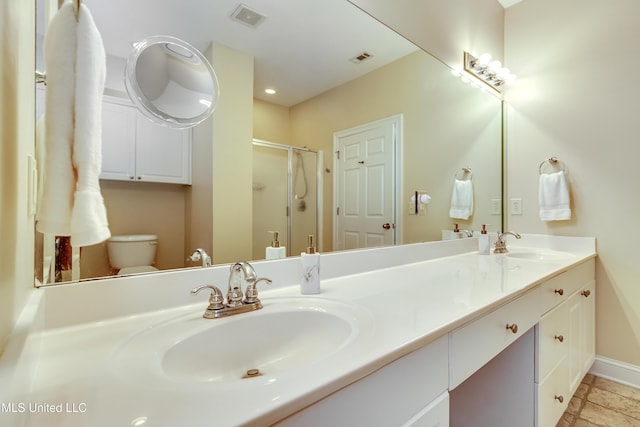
[(543, 255), (286, 334)]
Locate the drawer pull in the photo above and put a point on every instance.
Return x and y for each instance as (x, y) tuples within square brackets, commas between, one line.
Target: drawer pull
[(513, 328), (559, 291), (559, 398), (586, 293), (559, 338)]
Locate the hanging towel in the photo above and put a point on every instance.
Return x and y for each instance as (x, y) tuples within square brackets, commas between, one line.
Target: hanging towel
[(54, 215), (89, 216), (553, 197), (462, 199), (72, 204)]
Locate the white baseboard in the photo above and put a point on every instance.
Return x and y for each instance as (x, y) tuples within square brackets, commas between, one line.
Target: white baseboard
[(616, 371)]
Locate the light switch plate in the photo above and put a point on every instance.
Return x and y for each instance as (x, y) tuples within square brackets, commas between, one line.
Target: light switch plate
[(496, 206), (516, 206)]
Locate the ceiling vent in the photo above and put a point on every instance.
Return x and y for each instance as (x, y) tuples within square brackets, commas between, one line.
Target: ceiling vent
[(247, 16), (361, 58)]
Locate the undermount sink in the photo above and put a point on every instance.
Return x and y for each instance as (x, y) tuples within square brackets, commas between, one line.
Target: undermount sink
[(286, 334), (539, 255)]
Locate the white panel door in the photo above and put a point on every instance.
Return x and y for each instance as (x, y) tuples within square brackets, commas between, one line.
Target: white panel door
[(365, 185)]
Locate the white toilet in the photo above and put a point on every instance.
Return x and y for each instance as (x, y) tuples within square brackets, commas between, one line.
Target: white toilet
[(133, 253)]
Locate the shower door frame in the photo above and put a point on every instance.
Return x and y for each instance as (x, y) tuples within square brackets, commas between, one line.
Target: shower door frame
[(319, 168)]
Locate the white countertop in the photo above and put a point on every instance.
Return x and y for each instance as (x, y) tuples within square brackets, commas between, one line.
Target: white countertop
[(406, 307)]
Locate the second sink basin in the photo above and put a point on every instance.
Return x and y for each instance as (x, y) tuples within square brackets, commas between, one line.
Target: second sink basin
[(286, 334), (539, 255)]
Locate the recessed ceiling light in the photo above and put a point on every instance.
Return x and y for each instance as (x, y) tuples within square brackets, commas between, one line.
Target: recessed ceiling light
[(270, 91)]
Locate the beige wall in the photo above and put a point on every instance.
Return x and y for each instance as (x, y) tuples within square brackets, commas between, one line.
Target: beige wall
[(17, 93), (271, 122), (435, 144), (576, 98), (232, 149)]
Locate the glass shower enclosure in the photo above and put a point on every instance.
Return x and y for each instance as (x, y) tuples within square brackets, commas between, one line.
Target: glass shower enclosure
[(287, 191)]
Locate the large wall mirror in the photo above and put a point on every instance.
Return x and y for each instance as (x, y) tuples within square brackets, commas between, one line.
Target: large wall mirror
[(334, 69)]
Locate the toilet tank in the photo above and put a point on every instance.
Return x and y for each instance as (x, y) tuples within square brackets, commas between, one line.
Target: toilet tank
[(132, 250)]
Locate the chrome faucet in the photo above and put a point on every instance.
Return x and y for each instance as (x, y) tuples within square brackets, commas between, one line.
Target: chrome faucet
[(501, 244), (236, 303), (200, 255), (468, 233)]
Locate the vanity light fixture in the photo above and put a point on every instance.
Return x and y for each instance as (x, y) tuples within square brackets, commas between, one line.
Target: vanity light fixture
[(488, 71)]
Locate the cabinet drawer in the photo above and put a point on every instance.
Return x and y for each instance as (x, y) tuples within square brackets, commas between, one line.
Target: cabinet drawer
[(559, 288), (553, 340), (553, 395), (436, 414), (474, 344), (387, 397)]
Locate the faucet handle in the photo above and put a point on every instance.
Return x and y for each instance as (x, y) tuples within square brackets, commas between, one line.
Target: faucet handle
[(216, 300), (251, 295)]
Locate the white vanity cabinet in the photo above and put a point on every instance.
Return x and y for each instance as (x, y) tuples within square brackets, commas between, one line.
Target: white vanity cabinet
[(136, 149), (409, 392), (566, 341)]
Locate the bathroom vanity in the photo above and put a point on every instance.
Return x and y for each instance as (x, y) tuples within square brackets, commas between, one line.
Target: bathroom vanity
[(413, 335)]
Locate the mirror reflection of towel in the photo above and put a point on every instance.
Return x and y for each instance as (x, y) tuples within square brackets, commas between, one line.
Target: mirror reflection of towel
[(72, 204), (553, 197), (462, 199)]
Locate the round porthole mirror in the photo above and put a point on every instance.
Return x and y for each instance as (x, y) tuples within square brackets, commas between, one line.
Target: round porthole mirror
[(171, 82)]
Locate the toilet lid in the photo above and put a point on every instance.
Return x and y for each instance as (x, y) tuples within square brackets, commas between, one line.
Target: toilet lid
[(137, 269)]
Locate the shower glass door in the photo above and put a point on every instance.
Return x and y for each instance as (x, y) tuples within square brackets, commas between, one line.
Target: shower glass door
[(285, 196)]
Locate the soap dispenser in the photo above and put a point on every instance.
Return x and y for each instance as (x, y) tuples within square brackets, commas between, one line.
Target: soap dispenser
[(483, 241), (310, 260), (275, 251)]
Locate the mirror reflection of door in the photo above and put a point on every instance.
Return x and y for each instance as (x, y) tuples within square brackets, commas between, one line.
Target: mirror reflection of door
[(365, 185)]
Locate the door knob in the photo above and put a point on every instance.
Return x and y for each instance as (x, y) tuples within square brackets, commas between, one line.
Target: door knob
[(386, 226)]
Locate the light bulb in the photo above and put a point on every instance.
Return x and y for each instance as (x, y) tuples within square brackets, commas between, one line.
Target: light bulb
[(484, 59), (495, 66)]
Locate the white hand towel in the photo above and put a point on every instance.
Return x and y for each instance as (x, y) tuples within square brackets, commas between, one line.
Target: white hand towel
[(553, 197), (89, 216), (54, 214), (462, 199), (75, 63)]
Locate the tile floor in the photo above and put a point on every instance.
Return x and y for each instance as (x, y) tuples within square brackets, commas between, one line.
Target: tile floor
[(602, 403)]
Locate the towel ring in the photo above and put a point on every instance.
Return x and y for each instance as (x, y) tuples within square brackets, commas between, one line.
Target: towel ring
[(462, 173), (553, 162)]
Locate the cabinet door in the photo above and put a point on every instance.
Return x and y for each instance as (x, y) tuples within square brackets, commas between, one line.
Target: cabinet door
[(582, 334), (118, 141), (162, 154), (589, 319)]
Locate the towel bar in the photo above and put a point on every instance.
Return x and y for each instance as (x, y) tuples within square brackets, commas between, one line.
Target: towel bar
[(462, 173), (554, 162)]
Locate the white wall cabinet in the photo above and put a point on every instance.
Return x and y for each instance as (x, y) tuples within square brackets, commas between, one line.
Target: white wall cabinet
[(136, 149)]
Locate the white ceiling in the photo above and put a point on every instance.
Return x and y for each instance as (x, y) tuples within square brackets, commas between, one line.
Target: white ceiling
[(302, 48)]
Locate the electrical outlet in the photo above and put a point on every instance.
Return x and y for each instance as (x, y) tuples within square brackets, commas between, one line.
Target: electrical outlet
[(496, 206), (516, 206), (422, 209)]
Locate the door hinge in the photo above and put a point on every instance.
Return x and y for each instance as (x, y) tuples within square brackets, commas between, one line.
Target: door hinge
[(337, 211), (287, 211), (338, 154)]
